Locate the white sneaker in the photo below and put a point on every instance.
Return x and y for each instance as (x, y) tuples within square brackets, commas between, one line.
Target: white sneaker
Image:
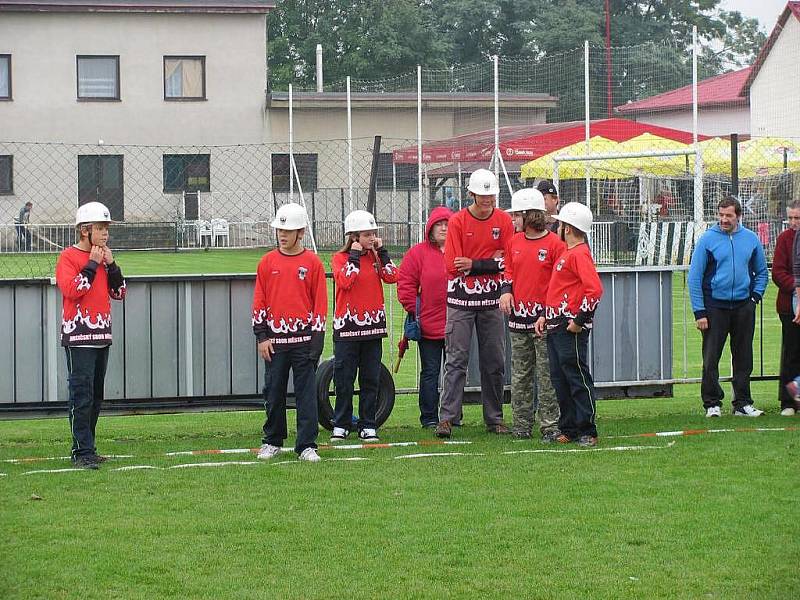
[(788, 412), (368, 435), (268, 451), (748, 410), (310, 455), (713, 411), (339, 434)]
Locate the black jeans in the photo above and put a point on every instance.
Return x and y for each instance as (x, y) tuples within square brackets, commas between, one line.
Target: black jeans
[(275, 381), (572, 381), (87, 372), (790, 358), (430, 355), (739, 323), (23, 238), (365, 357)]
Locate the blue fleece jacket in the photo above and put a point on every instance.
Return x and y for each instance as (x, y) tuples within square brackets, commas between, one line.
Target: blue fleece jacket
[(726, 270)]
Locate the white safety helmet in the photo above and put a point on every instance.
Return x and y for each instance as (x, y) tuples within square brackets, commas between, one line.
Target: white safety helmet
[(92, 212), (290, 216), (484, 183), (359, 220), (576, 214), (526, 199)]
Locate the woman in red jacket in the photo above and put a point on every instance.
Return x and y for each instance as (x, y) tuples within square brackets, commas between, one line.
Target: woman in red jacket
[(423, 275), (359, 324)]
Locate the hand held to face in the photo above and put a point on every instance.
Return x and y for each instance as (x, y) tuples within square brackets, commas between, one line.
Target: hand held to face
[(96, 254), (357, 247)]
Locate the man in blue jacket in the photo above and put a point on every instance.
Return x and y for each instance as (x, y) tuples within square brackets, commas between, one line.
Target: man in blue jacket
[(727, 278)]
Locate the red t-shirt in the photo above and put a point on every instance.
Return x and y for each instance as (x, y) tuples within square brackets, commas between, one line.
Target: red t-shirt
[(575, 289), (481, 240), (528, 267), (359, 313), (87, 289), (290, 300)]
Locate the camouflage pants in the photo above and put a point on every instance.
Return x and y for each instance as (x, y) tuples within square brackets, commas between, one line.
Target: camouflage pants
[(529, 364)]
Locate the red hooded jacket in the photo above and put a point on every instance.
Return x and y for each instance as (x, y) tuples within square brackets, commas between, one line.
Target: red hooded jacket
[(423, 271)]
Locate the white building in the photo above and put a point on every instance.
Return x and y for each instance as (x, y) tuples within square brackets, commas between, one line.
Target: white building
[(774, 82)]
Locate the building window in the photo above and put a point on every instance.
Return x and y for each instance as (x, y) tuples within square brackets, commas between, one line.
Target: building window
[(187, 173), (100, 179), (5, 77), (306, 168), (402, 177), (184, 78), (98, 78), (6, 175)]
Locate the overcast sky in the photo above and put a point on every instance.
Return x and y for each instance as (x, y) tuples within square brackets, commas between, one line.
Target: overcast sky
[(766, 11)]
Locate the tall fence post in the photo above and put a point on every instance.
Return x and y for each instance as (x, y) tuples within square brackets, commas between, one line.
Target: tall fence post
[(735, 164), (341, 197), (349, 144), (419, 156), (586, 117), (291, 145), (408, 227), (699, 212), (496, 62)]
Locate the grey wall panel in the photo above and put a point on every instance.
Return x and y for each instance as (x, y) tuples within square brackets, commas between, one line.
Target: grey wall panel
[(29, 347), (7, 345), (218, 337), (137, 342), (244, 359), (649, 318), (115, 388), (164, 337), (198, 338)]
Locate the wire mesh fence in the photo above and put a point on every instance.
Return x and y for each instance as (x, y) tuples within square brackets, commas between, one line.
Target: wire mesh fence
[(621, 129)]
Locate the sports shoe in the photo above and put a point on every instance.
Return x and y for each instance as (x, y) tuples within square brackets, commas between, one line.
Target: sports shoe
[(339, 434), (85, 462), (498, 428), (587, 441), (563, 438), (748, 410), (443, 429), (521, 435), (788, 412), (713, 411), (268, 451), (309, 455), (550, 437), (100, 459), (368, 435)]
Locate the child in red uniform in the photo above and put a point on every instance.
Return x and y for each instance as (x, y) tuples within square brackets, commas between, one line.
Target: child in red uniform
[(88, 278), (572, 297), (290, 306), (477, 239), (528, 266), (359, 323)]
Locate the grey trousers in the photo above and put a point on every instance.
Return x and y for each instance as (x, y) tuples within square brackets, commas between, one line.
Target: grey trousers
[(490, 329)]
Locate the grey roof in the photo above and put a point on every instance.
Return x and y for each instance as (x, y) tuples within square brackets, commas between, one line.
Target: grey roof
[(171, 6)]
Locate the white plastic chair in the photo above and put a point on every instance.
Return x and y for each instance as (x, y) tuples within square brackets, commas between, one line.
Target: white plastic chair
[(204, 230), (220, 229)]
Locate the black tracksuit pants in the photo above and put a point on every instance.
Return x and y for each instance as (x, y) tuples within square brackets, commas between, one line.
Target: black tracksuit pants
[(572, 381), (87, 373), (363, 356), (790, 358)]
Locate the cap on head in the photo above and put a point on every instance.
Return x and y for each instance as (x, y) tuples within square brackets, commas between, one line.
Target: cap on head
[(547, 188), (291, 216), (92, 212), (484, 183), (526, 199), (359, 220), (576, 214)]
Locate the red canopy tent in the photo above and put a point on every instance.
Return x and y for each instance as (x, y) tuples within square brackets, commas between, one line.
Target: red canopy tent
[(526, 142)]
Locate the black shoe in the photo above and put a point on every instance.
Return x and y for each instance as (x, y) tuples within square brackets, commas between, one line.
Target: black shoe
[(521, 435), (550, 437), (587, 441), (85, 462)]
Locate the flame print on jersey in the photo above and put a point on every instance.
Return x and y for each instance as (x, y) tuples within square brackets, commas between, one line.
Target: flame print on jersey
[(350, 269), (525, 310), (589, 305), (561, 311), (119, 293), (82, 282), (478, 285), (365, 319), (390, 268), (101, 321)]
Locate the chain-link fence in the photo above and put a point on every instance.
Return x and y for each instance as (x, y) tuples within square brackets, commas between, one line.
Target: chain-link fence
[(625, 130)]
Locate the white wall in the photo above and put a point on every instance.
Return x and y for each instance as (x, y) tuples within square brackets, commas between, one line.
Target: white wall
[(44, 107), (775, 93), (710, 121)]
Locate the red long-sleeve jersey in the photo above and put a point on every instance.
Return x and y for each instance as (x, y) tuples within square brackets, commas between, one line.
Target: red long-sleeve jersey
[(359, 312), (528, 268), (482, 240), (87, 289), (290, 300), (575, 289)]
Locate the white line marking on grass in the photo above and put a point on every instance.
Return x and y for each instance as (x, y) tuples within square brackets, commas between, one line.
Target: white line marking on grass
[(609, 449), (430, 454), (214, 464), (345, 458), (42, 458), (3, 474), (53, 471), (136, 468)]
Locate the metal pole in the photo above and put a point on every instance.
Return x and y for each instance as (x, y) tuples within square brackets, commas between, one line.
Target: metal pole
[(586, 115), (291, 145), (460, 206), (698, 159), (609, 101), (320, 85), (349, 146), (496, 114), (735, 164), (419, 154)]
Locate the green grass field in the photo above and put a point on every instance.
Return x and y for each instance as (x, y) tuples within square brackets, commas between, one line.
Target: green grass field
[(708, 516)]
